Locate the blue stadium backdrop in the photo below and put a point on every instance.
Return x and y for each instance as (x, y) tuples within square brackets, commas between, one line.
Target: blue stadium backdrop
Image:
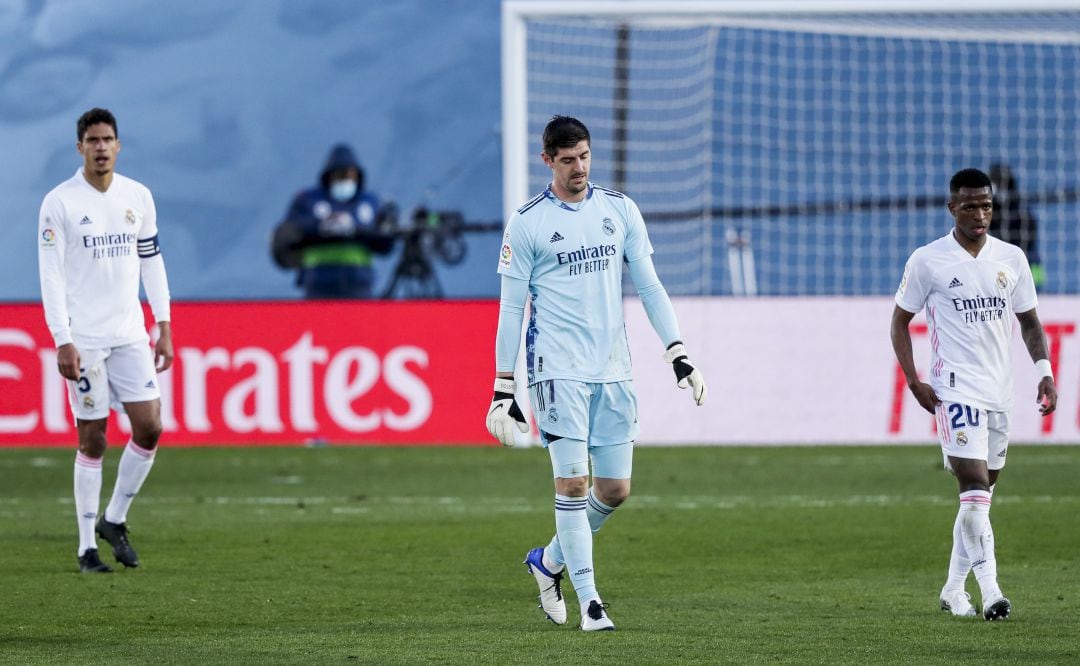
[(830, 146), (227, 109)]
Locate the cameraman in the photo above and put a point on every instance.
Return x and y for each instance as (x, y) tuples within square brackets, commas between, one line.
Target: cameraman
[(332, 232)]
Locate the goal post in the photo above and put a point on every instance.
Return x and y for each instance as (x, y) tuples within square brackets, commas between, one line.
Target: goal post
[(801, 147)]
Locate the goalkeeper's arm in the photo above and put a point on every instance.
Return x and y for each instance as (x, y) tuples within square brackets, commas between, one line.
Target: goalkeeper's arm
[(505, 415), (661, 315)]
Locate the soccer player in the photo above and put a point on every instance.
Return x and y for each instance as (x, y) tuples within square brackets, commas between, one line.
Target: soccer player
[(970, 284), (564, 251), (97, 234)]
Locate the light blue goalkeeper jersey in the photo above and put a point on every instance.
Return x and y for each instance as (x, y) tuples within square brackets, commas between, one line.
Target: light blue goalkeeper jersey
[(572, 256)]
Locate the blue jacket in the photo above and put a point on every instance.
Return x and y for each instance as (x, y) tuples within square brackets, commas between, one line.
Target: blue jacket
[(338, 238)]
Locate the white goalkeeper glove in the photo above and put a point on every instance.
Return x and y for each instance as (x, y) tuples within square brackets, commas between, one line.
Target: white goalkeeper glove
[(504, 414), (686, 374)]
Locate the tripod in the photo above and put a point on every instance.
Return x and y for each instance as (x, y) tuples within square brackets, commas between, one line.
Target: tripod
[(414, 274)]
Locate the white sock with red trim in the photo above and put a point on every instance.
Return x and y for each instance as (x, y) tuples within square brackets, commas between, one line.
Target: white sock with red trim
[(135, 464), (979, 539), (959, 562), (87, 498)]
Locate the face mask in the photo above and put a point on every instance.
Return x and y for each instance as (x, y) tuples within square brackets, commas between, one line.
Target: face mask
[(342, 190)]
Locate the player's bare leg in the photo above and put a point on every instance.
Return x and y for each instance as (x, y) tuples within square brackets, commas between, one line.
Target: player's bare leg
[(135, 464), (88, 459), (974, 479)]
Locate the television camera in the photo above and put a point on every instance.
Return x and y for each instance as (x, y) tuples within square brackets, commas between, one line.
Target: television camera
[(425, 235)]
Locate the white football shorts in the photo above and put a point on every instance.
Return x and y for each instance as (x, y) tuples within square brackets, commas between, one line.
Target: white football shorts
[(970, 432), (111, 377)]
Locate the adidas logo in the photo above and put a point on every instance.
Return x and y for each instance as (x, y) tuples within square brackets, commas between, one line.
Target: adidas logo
[(956, 283), (555, 237), (86, 220), (150, 384), (1003, 452)]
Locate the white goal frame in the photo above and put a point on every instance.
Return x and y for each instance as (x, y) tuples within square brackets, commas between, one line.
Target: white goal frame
[(516, 13)]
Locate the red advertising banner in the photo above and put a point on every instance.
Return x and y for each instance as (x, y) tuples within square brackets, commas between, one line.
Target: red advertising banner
[(780, 371), (413, 372)]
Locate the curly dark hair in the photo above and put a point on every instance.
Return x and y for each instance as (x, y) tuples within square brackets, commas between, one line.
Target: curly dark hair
[(93, 117)]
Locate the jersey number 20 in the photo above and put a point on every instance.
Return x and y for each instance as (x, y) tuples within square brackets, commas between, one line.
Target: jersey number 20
[(957, 411)]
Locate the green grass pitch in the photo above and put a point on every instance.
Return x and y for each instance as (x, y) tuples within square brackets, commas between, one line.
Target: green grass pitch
[(413, 555)]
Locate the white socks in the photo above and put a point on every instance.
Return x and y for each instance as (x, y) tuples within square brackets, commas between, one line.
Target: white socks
[(959, 562), (575, 537), (87, 498), (135, 464), (597, 512), (978, 536)]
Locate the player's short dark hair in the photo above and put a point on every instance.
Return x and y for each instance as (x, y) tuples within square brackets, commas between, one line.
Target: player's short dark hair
[(971, 178), (93, 117), (564, 132)]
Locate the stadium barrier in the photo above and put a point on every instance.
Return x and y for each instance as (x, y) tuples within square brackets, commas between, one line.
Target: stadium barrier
[(780, 371), (408, 372), (822, 371)]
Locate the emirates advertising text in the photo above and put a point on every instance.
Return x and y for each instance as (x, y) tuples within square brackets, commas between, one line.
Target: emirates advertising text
[(283, 373), (779, 370)]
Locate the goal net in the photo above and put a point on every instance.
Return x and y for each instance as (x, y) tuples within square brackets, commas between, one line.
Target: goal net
[(804, 148)]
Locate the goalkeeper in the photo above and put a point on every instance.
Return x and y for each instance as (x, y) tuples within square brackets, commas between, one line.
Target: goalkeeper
[(564, 251)]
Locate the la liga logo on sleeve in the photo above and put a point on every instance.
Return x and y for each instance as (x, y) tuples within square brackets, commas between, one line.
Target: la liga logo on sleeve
[(48, 237), (505, 255)]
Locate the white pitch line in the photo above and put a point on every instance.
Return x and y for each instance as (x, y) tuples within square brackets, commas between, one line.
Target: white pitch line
[(518, 505)]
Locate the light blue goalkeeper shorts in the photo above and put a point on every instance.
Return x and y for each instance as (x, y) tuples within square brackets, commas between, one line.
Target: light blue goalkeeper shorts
[(579, 421), (600, 414)]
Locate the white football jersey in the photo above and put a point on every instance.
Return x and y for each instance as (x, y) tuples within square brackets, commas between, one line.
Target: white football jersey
[(970, 309), (89, 245), (572, 256)]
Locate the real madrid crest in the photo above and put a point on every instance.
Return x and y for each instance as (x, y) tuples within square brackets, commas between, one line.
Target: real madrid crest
[(88, 402), (1002, 281), (609, 226), (129, 216), (961, 438)]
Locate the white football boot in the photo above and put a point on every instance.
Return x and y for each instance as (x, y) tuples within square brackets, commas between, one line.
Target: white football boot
[(551, 599), (957, 602), (594, 618)]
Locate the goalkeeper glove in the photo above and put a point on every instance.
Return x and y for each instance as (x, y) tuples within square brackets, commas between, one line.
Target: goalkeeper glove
[(505, 414), (686, 374)]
